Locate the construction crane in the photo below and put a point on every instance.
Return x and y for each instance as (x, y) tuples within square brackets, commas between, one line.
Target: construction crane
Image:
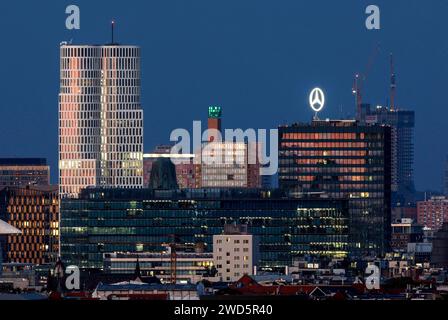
[(174, 246), (360, 79)]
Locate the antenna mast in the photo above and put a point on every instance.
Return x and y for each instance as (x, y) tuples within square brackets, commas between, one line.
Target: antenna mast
[(113, 27), (393, 85)]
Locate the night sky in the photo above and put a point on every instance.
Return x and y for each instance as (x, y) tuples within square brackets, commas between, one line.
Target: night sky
[(258, 59)]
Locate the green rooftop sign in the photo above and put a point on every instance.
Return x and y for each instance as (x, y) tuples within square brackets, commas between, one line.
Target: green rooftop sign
[(214, 112)]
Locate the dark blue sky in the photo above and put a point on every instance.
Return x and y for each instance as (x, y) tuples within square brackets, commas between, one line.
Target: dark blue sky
[(256, 58)]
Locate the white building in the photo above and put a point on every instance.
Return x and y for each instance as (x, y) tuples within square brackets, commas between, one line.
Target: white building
[(100, 118), (235, 253), (190, 267), (230, 165)]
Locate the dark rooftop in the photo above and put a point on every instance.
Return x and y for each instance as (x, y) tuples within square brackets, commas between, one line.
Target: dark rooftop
[(23, 162)]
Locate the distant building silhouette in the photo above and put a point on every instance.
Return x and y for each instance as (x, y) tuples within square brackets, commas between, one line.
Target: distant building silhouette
[(163, 175), (440, 248)]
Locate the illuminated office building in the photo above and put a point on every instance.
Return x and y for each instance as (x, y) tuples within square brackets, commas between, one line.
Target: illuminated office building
[(144, 220), (224, 164), (341, 159), (35, 212), (100, 118), (22, 172), (227, 164), (402, 123)]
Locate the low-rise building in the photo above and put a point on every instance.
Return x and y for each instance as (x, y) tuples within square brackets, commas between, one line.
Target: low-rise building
[(235, 253), (433, 213), (190, 267), (405, 231), (145, 220), (22, 172), (136, 290)]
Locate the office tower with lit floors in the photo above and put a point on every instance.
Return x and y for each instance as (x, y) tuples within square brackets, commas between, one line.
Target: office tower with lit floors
[(342, 160), (34, 210), (402, 123), (227, 163), (100, 118)]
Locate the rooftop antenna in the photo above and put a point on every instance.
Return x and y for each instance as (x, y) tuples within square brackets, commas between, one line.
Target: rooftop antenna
[(113, 27), (393, 85)]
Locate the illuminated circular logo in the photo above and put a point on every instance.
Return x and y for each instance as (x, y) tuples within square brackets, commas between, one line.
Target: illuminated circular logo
[(317, 99)]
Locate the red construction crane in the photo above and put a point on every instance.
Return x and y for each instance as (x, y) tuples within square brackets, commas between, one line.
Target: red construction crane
[(174, 246), (360, 80)]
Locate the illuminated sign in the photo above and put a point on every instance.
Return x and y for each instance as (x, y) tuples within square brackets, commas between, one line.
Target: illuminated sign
[(317, 99), (214, 112)]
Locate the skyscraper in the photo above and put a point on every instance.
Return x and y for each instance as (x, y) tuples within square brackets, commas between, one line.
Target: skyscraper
[(402, 123), (342, 160), (100, 118)]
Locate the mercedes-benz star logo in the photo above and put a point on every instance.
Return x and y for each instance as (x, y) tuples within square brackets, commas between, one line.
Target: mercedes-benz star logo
[(317, 99)]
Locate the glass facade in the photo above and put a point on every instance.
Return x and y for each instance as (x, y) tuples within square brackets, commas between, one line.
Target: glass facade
[(100, 118), (35, 212), (224, 165), (142, 220), (343, 160), (402, 123)]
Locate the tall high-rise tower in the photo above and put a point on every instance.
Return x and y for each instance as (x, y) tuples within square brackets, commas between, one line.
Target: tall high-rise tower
[(402, 123), (100, 118), (343, 159)]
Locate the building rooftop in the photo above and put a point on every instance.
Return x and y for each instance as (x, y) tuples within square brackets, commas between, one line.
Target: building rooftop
[(221, 194), (6, 229), (23, 162), (331, 123), (112, 45)]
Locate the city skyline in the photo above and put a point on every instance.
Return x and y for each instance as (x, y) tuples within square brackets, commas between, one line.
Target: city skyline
[(252, 98), (319, 172)]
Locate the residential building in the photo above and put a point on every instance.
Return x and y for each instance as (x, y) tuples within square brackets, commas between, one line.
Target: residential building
[(235, 253), (433, 213)]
